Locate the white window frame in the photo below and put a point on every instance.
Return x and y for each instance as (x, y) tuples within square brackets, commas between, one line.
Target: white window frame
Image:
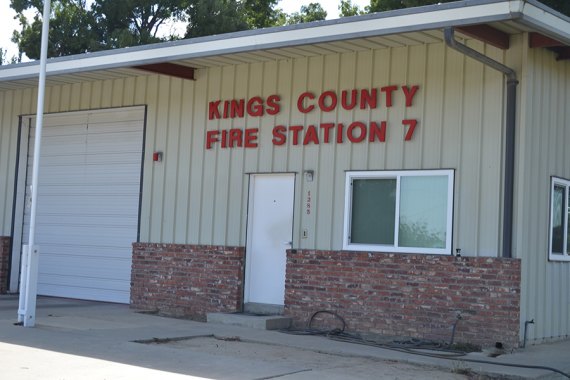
[(352, 175), (554, 181)]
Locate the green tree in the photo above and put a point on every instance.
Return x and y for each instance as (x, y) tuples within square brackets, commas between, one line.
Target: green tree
[(71, 29), (562, 6), (21, 5), (134, 22), (347, 9), (308, 13), (107, 24), (119, 23), (208, 17), (262, 13), (3, 60), (388, 5)]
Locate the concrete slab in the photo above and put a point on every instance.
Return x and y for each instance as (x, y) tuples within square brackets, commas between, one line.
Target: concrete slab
[(90, 340), (263, 322), (263, 308)]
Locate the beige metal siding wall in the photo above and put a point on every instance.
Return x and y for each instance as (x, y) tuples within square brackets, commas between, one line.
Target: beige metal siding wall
[(71, 97), (459, 108), (543, 142), (12, 104), (199, 196)]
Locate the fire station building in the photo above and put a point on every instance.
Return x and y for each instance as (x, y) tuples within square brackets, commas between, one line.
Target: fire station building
[(404, 169)]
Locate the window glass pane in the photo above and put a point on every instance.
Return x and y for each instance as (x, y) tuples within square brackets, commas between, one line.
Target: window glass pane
[(558, 219), (373, 211), (423, 212)]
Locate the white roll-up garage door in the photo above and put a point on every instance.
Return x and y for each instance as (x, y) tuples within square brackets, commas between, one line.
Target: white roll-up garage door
[(88, 202)]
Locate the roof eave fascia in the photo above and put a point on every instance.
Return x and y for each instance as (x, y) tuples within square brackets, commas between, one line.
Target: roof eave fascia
[(424, 18), (544, 20)]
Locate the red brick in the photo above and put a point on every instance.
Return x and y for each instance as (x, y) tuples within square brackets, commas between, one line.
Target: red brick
[(187, 280), (405, 294), (4, 260)]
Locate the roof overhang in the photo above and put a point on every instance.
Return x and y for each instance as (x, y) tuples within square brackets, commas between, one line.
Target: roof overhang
[(514, 15)]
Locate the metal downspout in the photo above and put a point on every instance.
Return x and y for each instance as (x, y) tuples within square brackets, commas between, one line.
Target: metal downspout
[(512, 83)]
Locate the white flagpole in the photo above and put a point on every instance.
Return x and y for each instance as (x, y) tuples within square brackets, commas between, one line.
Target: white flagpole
[(30, 274)]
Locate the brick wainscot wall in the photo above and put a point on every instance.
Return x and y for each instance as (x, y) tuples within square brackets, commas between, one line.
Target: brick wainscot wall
[(187, 280), (4, 259), (391, 294), (408, 295)]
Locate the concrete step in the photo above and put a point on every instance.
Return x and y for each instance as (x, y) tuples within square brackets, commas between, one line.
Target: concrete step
[(263, 322)]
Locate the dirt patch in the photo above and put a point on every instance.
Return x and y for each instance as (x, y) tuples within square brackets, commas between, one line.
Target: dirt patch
[(308, 363)]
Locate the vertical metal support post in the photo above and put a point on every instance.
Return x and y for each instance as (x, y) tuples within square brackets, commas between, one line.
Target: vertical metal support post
[(30, 288), (23, 283)]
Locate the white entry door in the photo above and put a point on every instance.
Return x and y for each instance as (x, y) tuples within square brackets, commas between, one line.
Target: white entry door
[(269, 234)]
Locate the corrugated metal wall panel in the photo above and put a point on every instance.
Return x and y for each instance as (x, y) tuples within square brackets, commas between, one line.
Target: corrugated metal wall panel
[(184, 143), (210, 160), (197, 164), (7, 157), (318, 79), (150, 95), (543, 152), (221, 186), (325, 171), (12, 104), (172, 143), (199, 196), (490, 208), (471, 113)]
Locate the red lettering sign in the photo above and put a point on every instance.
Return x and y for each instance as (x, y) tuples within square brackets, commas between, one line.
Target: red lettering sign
[(412, 127), (301, 102), (324, 133), (356, 132)]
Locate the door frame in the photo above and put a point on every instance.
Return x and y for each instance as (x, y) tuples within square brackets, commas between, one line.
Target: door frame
[(19, 201)]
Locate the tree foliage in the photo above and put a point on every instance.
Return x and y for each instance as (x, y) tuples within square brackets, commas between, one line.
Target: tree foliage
[(347, 9), (107, 24), (310, 12), (76, 28), (388, 5), (208, 17), (262, 13), (562, 6), (71, 30), (133, 22), (4, 60)]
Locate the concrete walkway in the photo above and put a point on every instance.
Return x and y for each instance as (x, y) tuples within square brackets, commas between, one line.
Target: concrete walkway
[(90, 340)]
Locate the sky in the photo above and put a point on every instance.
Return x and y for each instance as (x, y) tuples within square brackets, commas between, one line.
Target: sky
[(8, 24)]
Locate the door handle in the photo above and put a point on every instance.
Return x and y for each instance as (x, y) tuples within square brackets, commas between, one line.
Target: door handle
[(287, 243)]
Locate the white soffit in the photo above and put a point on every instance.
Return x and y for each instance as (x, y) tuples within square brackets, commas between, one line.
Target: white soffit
[(397, 28)]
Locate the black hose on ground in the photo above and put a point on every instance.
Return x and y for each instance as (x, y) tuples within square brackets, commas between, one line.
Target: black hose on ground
[(410, 346)]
